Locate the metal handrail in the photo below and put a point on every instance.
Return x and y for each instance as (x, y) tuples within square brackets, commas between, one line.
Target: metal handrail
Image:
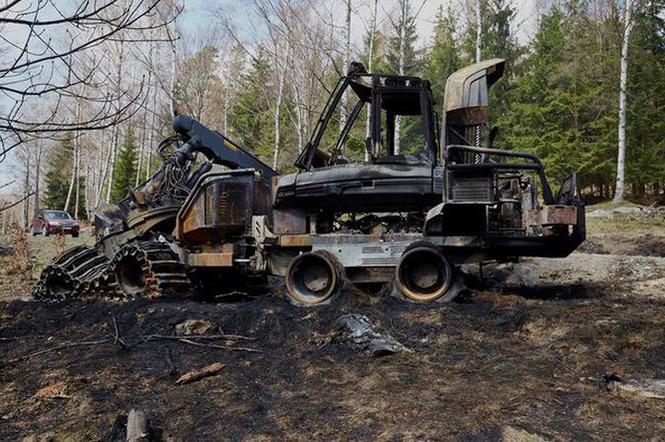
[(537, 166)]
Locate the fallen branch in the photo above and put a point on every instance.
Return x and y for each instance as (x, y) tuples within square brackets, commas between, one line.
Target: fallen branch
[(117, 339), (59, 347), (204, 337), (220, 347), (195, 375)]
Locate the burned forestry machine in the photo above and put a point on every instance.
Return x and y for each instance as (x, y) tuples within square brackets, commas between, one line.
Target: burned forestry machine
[(406, 209)]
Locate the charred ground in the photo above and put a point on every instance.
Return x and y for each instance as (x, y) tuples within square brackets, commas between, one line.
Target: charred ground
[(527, 348)]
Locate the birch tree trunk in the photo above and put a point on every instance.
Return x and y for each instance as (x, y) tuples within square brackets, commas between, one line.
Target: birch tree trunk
[(76, 153), (278, 112), (151, 136), (26, 201), (145, 124), (103, 165), (479, 37), (38, 171), (174, 60), (623, 79), (116, 128), (104, 176), (86, 195), (402, 44), (479, 31), (225, 114), (370, 61), (78, 182), (345, 62)]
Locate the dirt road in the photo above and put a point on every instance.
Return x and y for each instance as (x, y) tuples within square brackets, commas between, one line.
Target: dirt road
[(524, 352)]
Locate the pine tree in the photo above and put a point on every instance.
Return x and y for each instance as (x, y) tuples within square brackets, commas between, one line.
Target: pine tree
[(57, 178), (125, 171)]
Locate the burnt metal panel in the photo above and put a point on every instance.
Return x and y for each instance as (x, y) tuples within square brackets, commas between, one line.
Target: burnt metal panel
[(472, 188), (366, 187), (221, 207), (365, 250)]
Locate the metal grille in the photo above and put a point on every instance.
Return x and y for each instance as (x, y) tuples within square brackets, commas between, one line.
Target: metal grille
[(472, 189), (226, 204), (380, 261), (372, 249)]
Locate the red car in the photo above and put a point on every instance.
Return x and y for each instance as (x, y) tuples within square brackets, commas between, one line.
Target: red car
[(54, 221)]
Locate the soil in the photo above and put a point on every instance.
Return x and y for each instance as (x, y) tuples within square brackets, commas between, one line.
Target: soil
[(524, 353), (635, 244), (527, 348)]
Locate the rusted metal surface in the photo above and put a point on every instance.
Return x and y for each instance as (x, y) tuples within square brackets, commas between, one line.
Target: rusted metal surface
[(550, 215), (289, 221), (298, 241), (221, 206), (467, 87), (423, 274), (314, 277), (365, 250), (216, 259), (212, 255)]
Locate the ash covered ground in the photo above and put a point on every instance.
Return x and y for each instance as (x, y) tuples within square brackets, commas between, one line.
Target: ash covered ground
[(521, 354)]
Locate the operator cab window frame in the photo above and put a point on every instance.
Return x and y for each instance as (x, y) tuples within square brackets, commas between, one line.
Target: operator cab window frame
[(389, 97)]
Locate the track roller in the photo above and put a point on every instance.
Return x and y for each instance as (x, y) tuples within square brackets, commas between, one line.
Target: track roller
[(313, 277), (150, 269), (423, 274)]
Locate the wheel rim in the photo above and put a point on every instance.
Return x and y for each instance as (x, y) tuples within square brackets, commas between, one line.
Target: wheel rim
[(311, 279), (423, 274)]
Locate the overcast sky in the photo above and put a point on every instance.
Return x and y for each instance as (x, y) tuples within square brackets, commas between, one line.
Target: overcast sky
[(198, 12)]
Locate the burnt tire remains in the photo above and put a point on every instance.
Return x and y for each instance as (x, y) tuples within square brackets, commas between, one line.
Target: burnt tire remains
[(313, 278), (423, 274)]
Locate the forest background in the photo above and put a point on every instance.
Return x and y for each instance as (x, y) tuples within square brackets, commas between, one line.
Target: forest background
[(88, 88)]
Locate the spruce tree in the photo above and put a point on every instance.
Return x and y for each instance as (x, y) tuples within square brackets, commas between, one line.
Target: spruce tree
[(404, 59), (444, 57), (124, 175), (251, 117), (562, 108), (645, 145), (412, 61), (58, 175)]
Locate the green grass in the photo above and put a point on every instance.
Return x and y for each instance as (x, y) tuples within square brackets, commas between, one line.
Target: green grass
[(609, 205), (629, 224)]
